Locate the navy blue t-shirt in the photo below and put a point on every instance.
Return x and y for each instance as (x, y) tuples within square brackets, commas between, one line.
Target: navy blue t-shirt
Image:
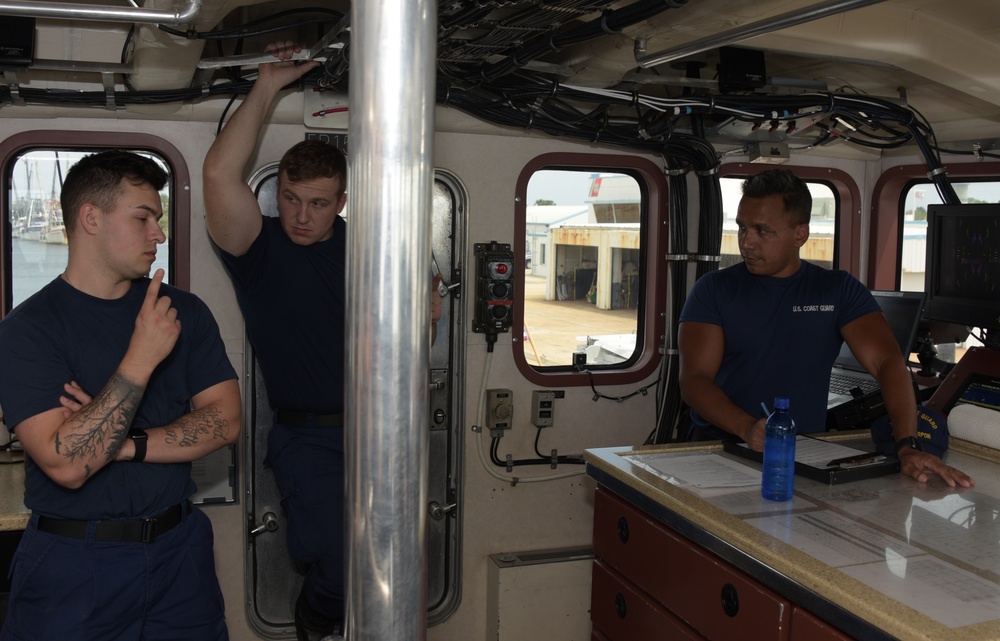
[(781, 335), (62, 334), (293, 302)]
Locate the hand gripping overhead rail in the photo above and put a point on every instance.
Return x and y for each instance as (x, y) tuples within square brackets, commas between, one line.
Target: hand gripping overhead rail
[(316, 52)]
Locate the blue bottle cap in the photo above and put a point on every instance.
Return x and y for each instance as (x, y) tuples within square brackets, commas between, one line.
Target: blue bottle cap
[(780, 403)]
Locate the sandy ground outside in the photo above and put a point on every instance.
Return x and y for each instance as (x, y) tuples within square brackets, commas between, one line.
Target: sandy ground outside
[(558, 328)]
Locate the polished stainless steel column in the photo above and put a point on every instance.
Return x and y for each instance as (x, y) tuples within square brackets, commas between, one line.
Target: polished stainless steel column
[(389, 192)]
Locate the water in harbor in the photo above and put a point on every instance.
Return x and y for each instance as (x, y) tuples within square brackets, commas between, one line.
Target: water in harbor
[(34, 264)]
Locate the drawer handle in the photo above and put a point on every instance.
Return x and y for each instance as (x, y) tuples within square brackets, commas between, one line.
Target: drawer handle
[(623, 529), (620, 606), (730, 600)]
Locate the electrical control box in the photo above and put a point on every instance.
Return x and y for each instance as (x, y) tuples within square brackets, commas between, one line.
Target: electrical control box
[(494, 288), (741, 69), (542, 408), (17, 41), (499, 410)]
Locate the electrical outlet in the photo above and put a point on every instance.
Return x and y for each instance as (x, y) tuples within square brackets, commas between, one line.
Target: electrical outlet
[(542, 408), (499, 410)]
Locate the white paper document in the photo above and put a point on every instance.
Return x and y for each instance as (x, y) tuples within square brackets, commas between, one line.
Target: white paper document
[(834, 539), (817, 452), (944, 592), (701, 470)]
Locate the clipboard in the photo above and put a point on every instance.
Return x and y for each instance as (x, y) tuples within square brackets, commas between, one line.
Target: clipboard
[(829, 475)]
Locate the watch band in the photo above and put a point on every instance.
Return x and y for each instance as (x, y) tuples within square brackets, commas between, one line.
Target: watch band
[(139, 438), (909, 441)]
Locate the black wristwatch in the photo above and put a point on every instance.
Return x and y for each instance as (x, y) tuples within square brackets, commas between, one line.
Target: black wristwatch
[(139, 438), (909, 441)]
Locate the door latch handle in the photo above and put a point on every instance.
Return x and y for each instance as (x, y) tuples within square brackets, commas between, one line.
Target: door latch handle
[(269, 524), (437, 511)]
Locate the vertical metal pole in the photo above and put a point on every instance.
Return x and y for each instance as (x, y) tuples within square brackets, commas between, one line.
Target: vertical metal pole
[(390, 142)]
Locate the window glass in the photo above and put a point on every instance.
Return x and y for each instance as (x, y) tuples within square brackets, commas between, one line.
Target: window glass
[(914, 247), (819, 249), (38, 237), (583, 268)]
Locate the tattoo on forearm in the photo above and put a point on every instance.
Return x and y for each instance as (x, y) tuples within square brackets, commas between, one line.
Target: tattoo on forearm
[(100, 428), (192, 428)]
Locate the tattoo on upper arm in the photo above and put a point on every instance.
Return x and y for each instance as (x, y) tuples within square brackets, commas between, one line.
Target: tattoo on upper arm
[(102, 426)]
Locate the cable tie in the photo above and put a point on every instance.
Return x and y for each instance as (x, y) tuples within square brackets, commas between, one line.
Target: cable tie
[(552, 44), (936, 172), (531, 121), (635, 99), (604, 25), (447, 94), (977, 150), (555, 88), (597, 134), (109, 91), (676, 172), (711, 171)]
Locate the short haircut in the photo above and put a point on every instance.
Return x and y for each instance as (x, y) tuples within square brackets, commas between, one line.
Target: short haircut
[(311, 159), (97, 180), (780, 182)]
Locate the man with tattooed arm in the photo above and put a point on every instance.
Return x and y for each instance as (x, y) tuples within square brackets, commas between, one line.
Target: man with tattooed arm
[(113, 383)]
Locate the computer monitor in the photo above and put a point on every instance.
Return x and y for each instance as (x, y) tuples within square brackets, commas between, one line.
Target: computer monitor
[(962, 278)]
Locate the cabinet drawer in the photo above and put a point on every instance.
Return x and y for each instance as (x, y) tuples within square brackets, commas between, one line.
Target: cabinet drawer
[(597, 636), (716, 599), (624, 613), (806, 627)]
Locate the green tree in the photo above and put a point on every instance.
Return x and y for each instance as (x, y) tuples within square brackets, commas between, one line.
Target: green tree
[(542, 201)]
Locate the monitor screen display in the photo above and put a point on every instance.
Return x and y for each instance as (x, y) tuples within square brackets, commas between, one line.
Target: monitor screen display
[(962, 281)]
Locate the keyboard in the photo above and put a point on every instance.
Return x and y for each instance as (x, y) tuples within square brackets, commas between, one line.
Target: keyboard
[(844, 383)]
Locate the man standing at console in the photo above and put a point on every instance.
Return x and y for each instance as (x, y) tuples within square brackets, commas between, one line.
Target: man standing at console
[(114, 383), (289, 276), (773, 325)]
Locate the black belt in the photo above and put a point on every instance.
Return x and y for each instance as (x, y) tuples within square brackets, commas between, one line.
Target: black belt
[(307, 419), (130, 531)]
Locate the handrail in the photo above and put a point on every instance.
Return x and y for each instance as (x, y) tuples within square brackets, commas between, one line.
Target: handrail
[(44, 9), (745, 32)]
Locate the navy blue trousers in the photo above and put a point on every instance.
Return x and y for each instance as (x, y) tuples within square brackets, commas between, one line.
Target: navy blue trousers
[(308, 466), (86, 590)]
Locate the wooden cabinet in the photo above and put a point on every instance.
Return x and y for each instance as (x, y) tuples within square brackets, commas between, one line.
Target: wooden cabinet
[(650, 583), (806, 627), (622, 611)]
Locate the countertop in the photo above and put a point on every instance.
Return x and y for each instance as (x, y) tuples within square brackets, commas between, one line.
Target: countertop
[(882, 558)]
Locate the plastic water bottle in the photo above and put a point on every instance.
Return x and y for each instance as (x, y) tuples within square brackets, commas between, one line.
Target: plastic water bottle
[(779, 453)]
